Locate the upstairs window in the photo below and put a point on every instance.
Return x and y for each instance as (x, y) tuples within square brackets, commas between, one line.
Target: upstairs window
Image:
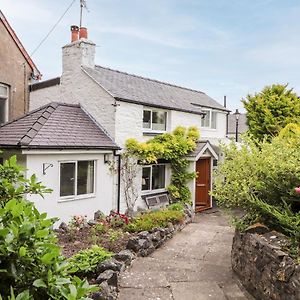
[(210, 119), (154, 177), (77, 178), (154, 120), (4, 92)]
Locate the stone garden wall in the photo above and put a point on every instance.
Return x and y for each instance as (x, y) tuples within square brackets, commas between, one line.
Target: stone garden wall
[(265, 270), (143, 244)]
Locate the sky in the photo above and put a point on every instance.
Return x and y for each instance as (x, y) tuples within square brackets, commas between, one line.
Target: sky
[(220, 47)]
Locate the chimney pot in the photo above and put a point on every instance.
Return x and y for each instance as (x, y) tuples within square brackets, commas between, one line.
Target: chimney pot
[(74, 33), (83, 34)]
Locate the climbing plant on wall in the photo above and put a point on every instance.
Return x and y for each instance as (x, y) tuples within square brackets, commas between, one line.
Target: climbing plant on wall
[(172, 147)]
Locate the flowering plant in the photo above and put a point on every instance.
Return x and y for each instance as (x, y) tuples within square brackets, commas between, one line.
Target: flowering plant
[(115, 219), (78, 221)]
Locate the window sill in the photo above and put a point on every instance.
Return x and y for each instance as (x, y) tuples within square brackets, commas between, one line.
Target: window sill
[(208, 128), (153, 132), (153, 192), (76, 198)]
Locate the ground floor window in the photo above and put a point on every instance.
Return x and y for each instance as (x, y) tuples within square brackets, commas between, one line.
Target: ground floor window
[(153, 177), (77, 178)]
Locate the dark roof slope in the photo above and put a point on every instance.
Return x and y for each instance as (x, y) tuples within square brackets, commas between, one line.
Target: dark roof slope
[(243, 127), (140, 90), (55, 126)]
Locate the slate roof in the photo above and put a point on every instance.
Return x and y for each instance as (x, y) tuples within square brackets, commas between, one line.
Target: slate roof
[(243, 127), (55, 126), (136, 89)]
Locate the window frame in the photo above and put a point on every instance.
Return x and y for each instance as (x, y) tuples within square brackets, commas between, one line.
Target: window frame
[(76, 196), (151, 172), (5, 99), (152, 110), (210, 113)]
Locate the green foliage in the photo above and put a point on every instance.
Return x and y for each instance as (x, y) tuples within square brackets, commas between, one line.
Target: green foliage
[(150, 220), (271, 171), (31, 266), (271, 110), (14, 184), (178, 206), (173, 147), (85, 262), (261, 178)]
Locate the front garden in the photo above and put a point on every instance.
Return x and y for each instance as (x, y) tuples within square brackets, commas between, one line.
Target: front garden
[(78, 260)]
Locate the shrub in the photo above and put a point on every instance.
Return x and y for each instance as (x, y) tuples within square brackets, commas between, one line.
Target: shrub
[(115, 219), (271, 171), (85, 262), (271, 110), (150, 220), (176, 206), (30, 262)]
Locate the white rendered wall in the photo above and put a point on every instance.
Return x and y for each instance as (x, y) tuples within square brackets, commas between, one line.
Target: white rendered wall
[(65, 209), (187, 119)]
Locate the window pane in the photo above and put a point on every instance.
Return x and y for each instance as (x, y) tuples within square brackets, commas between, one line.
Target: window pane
[(147, 119), (3, 91), (67, 179), (206, 120), (85, 177), (3, 118), (159, 120), (158, 177), (146, 178), (213, 119)]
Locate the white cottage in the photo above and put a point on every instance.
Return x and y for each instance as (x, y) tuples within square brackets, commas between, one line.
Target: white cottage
[(130, 106)]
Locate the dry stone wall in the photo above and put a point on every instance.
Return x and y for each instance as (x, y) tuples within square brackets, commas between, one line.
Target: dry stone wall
[(265, 270)]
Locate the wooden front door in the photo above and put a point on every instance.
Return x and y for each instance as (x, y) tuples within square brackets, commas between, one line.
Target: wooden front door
[(202, 199)]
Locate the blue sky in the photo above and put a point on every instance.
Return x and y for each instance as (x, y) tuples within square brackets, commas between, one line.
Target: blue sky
[(221, 47)]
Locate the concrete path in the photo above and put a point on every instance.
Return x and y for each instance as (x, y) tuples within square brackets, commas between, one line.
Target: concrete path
[(193, 265)]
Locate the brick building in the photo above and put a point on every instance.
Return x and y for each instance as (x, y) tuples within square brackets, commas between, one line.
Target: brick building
[(17, 71)]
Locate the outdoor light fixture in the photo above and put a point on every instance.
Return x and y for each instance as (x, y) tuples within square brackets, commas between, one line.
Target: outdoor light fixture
[(237, 115), (107, 158)]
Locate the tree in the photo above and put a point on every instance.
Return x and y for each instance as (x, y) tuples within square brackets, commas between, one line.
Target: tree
[(271, 110)]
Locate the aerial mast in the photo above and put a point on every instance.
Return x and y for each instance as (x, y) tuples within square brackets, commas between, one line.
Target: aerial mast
[(82, 5)]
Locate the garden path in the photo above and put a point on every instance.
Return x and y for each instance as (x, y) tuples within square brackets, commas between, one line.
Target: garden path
[(193, 265)]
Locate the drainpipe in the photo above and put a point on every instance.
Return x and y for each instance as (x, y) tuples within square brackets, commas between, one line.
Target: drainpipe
[(119, 180), (225, 105)]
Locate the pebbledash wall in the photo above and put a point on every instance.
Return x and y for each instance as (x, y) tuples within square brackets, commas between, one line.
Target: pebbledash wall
[(102, 199)]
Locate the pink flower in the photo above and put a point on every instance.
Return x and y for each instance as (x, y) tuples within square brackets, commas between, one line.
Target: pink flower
[(297, 190)]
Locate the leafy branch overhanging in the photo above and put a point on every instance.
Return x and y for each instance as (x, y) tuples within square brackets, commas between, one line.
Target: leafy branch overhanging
[(174, 148)]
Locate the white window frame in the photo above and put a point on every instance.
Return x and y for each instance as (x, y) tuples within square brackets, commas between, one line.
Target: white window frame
[(209, 112), (155, 190), (151, 116), (6, 99), (75, 196)]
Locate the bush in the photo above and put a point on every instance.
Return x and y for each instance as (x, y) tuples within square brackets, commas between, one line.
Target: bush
[(178, 206), (271, 110), (150, 220), (85, 262), (115, 219), (270, 171), (261, 178), (30, 262)]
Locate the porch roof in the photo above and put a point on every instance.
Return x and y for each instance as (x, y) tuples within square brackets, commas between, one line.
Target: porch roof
[(201, 147)]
